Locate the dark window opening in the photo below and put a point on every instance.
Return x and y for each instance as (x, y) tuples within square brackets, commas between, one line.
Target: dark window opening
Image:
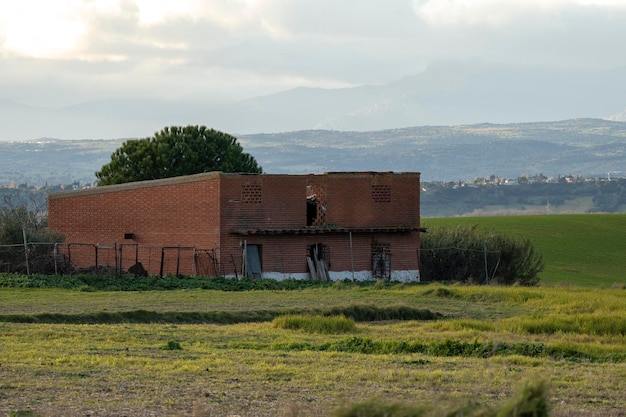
[(381, 261), (252, 261), (315, 205), (311, 211)]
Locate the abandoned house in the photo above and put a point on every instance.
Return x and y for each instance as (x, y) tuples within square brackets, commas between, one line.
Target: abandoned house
[(332, 226)]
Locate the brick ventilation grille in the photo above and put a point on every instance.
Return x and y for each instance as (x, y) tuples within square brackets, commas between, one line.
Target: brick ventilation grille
[(381, 193), (251, 193)]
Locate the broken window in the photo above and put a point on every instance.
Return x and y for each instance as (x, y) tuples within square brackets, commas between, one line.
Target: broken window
[(381, 261), (318, 261), (315, 206)]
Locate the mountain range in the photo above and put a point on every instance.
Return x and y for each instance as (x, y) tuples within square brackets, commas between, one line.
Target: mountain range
[(586, 147), (444, 94)]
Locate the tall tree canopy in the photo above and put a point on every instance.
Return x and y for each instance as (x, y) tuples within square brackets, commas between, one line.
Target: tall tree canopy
[(176, 151)]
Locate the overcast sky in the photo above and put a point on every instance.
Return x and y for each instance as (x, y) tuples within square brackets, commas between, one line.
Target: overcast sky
[(64, 52)]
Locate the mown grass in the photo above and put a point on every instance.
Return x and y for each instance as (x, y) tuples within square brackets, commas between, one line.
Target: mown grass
[(480, 349), (582, 249)]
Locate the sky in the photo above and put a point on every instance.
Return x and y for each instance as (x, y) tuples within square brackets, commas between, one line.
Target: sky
[(65, 52)]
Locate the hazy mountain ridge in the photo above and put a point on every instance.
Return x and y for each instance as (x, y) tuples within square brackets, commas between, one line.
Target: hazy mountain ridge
[(588, 147), (445, 93)]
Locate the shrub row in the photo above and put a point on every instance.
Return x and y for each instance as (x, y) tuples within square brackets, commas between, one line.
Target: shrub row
[(355, 312), (447, 348), (470, 254), (103, 282)]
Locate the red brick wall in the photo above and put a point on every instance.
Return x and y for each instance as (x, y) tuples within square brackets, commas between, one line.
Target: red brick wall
[(166, 213), (263, 201), (203, 210), (288, 254), (260, 201), (351, 202)]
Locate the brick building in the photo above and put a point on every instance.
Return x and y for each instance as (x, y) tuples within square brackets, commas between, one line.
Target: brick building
[(355, 225)]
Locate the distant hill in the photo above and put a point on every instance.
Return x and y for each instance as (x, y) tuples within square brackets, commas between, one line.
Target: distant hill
[(582, 146), (54, 161), (587, 147)]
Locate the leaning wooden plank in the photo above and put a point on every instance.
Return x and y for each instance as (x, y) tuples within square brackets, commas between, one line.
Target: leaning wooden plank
[(322, 270), (312, 270)]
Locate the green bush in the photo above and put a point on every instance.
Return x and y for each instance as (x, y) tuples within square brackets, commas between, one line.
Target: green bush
[(173, 345), (471, 255)]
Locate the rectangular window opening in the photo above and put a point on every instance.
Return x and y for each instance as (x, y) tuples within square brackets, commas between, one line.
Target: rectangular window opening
[(252, 261), (381, 261)]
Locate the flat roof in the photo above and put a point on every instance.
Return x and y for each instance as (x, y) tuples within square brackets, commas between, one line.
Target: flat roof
[(208, 176)]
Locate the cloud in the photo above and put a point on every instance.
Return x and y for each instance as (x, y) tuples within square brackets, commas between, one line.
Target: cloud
[(500, 13), (77, 50), (40, 29)]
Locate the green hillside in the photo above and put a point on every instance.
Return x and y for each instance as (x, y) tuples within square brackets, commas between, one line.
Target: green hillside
[(581, 249)]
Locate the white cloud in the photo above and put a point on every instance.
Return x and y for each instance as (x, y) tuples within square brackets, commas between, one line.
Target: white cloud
[(40, 29), (90, 49), (499, 13)]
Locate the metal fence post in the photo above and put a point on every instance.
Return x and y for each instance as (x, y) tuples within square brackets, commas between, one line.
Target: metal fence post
[(26, 252), (55, 255), (162, 261)]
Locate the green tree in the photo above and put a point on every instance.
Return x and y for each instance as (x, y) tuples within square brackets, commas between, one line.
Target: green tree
[(176, 151)]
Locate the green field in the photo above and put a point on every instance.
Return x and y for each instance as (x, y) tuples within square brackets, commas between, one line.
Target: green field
[(580, 249), (448, 350)]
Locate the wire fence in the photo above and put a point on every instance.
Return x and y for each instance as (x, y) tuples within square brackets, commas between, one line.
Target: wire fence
[(117, 259), (453, 263), (435, 264)]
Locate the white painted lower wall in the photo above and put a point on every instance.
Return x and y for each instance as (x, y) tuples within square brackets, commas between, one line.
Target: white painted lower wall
[(412, 275)]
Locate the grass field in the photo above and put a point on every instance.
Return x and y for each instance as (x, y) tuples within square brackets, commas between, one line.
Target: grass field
[(169, 353), (578, 249), (488, 343)]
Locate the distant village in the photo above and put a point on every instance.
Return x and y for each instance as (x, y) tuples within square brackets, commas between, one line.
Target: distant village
[(531, 179), (476, 182)]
